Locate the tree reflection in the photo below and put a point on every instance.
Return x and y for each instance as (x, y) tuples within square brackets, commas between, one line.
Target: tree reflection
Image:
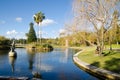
[(64, 59), (31, 58)]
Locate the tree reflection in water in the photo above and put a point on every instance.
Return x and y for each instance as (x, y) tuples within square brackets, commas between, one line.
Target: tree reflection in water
[(31, 58), (55, 65)]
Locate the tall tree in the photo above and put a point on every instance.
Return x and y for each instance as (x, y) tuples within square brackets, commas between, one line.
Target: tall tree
[(115, 26), (96, 13), (114, 32), (31, 35), (38, 18)]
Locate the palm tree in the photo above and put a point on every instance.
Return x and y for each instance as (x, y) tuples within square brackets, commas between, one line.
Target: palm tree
[(38, 18)]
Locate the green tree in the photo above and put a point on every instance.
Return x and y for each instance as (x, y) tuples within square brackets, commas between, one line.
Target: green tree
[(38, 18), (31, 35), (114, 32), (115, 26), (4, 43)]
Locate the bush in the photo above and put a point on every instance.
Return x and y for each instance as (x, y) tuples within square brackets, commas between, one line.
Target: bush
[(4, 41), (47, 47), (40, 48)]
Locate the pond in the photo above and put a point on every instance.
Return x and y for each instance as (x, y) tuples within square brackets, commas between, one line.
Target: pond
[(54, 65)]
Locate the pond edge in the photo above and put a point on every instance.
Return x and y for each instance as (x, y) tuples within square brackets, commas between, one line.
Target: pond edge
[(102, 73)]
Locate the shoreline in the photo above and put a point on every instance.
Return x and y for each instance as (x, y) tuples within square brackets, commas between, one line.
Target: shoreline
[(102, 73)]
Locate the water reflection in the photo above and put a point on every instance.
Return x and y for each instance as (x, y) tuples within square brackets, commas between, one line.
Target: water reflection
[(12, 63), (32, 54), (55, 65), (3, 52), (39, 65), (64, 57), (44, 67), (31, 58)]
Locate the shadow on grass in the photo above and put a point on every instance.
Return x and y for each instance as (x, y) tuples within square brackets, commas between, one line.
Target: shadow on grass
[(113, 65), (109, 53), (97, 64)]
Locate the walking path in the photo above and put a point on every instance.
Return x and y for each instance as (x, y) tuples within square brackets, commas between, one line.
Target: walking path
[(104, 74)]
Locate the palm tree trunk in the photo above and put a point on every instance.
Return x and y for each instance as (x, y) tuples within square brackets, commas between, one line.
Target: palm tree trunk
[(40, 34)]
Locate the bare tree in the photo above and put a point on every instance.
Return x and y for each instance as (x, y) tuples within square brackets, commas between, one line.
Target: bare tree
[(97, 14)]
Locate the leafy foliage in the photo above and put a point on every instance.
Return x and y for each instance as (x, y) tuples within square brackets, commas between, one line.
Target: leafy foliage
[(47, 46), (31, 34), (38, 17), (4, 41)]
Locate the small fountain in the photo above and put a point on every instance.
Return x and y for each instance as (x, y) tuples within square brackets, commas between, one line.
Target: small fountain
[(12, 52)]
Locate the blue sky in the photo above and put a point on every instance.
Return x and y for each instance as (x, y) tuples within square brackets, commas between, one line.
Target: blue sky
[(15, 16)]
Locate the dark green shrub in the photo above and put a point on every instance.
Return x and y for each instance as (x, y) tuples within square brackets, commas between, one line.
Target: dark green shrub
[(47, 47), (4, 43)]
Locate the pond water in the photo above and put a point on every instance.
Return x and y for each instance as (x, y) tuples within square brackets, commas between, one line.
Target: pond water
[(55, 65)]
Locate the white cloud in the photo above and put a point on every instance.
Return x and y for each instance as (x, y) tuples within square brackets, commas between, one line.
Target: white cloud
[(15, 34), (42, 32), (62, 31), (18, 19), (12, 32), (47, 22)]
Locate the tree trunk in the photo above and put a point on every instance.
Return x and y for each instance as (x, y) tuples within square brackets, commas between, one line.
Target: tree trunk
[(110, 47), (117, 42), (102, 39), (40, 33), (99, 44)]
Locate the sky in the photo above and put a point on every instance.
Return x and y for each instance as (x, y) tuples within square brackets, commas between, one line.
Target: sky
[(16, 15)]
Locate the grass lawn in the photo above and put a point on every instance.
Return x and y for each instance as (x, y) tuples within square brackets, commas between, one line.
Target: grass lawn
[(110, 61)]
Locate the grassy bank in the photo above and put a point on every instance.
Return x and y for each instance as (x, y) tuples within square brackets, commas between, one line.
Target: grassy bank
[(109, 61)]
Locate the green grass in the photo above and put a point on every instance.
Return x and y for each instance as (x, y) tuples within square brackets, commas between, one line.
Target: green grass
[(109, 61), (113, 46)]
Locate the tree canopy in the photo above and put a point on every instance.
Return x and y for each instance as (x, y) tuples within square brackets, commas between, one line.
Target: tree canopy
[(38, 17), (96, 14), (31, 35)]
